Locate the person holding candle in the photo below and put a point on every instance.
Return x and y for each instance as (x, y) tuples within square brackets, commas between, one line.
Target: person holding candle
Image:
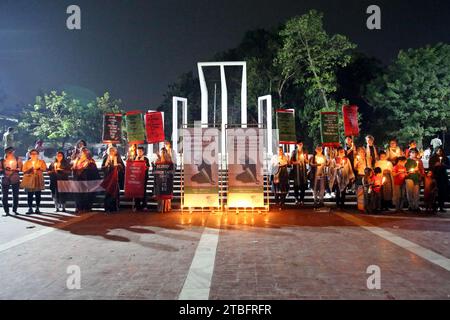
[(319, 164), (386, 167), (76, 153), (439, 164), (399, 174), (412, 145), (393, 152), (33, 180), (299, 173), (367, 185), (341, 176), (141, 204), (164, 200), (360, 164), (59, 170), (280, 177), (10, 166), (415, 169), (371, 151), (84, 169), (378, 181), (113, 180)]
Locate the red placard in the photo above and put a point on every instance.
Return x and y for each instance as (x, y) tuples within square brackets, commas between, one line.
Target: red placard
[(154, 127), (134, 179), (351, 126)]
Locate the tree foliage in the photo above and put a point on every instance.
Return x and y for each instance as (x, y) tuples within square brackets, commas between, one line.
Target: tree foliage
[(414, 93), (59, 118)]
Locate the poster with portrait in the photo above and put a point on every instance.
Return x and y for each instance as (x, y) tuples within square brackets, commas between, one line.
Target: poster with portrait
[(201, 167), (245, 167)]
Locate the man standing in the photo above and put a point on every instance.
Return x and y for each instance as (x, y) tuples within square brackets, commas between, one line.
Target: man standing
[(10, 166), (8, 138), (299, 161)]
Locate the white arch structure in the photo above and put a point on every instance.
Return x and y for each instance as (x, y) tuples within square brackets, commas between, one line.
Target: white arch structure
[(175, 101), (268, 100), (224, 95)]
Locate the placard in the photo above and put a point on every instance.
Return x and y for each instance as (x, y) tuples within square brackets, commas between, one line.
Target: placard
[(163, 181), (135, 127), (154, 127), (351, 125), (329, 128), (112, 128), (135, 172), (286, 126), (245, 167)]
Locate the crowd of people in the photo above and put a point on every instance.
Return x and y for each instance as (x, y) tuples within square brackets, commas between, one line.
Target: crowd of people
[(79, 167), (383, 178)]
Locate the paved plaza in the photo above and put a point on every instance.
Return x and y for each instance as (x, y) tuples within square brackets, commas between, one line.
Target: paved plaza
[(293, 254)]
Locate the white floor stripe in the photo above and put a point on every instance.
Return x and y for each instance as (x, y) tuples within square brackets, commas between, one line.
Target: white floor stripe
[(418, 250), (40, 233), (198, 280)]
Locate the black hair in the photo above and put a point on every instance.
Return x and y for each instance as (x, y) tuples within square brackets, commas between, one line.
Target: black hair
[(377, 170), (402, 158)]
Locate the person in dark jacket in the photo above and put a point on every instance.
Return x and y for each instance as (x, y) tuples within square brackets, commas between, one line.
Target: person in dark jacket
[(439, 164), (141, 204), (299, 161)]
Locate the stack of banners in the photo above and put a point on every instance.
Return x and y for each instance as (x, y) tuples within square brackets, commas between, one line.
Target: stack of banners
[(135, 127), (201, 167), (135, 172), (154, 127), (245, 168), (351, 126), (112, 128), (286, 126), (163, 181), (329, 128)]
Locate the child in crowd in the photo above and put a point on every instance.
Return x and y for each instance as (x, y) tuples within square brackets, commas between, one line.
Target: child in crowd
[(378, 181), (386, 168), (430, 192), (367, 183), (399, 173)]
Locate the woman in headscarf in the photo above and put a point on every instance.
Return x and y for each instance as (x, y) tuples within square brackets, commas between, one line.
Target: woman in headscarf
[(58, 170), (85, 169), (114, 172)]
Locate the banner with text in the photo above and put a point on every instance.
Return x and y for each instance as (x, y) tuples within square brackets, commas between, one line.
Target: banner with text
[(245, 167), (329, 129), (351, 125), (135, 127), (135, 172), (112, 128), (286, 126), (201, 167), (154, 127), (163, 174)]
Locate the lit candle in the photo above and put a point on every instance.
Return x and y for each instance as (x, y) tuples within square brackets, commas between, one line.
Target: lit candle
[(34, 164), (320, 161), (302, 157), (383, 180), (440, 159), (10, 164)]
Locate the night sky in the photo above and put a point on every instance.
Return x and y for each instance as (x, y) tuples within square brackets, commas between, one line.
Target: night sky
[(135, 48)]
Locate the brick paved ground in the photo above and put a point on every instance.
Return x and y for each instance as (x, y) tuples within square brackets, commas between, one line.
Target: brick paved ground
[(294, 254)]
